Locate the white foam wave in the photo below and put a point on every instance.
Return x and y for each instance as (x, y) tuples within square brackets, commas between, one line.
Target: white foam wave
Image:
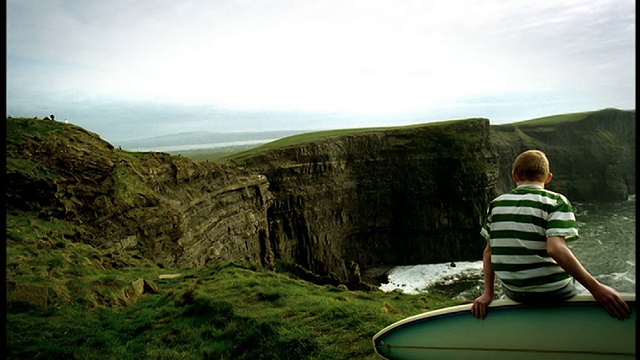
[(414, 279)]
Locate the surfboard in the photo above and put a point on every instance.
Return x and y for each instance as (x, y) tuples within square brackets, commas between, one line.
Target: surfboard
[(578, 328)]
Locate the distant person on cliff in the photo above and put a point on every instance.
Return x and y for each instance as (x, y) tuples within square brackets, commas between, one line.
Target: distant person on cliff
[(527, 230)]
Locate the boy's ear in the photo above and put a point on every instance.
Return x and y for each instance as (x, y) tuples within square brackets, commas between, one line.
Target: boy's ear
[(515, 177), (549, 177)]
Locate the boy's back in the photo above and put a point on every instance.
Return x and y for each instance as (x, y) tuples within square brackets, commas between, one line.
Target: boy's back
[(517, 228)]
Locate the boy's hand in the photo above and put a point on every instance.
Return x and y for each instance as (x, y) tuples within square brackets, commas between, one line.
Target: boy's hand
[(480, 305), (612, 301)]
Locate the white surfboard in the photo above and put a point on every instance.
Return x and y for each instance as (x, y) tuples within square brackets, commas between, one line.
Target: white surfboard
[(579, 328)]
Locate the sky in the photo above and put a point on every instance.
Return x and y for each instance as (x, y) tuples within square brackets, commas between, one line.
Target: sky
[(137, 69)]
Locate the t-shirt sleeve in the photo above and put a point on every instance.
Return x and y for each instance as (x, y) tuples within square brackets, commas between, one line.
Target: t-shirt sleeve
[(562, 221)]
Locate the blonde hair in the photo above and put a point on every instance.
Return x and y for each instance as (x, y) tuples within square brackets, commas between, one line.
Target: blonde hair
[(531, 165)]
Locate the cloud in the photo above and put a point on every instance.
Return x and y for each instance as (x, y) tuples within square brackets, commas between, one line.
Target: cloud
[(371, 58)]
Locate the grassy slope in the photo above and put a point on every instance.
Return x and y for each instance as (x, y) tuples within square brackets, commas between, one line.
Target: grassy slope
[(554, 119), (221, 311)]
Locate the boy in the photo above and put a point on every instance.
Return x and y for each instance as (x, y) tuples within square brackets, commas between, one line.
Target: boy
[(526, 231)]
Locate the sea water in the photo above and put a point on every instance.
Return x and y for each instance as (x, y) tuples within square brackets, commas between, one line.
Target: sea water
[(606, 248), (203, 146)]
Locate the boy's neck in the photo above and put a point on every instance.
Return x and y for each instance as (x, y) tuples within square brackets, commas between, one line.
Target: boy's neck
[(535, 183)]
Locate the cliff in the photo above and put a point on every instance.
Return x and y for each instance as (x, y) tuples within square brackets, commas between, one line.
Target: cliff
[(399, 196), (592, 155), (335, 206), (165, 208)]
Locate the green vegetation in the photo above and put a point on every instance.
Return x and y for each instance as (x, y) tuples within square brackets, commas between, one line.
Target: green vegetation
[(323, 135), (212, 154), (128, 184), (237, 152), (16, 127), (555, 119), (222, 311), (29, 168)]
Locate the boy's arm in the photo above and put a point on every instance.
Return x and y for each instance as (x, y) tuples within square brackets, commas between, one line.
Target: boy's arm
[(480, 305), (605, 295)]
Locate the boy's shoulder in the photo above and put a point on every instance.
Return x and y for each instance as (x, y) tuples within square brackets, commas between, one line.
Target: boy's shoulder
[(531, 190)]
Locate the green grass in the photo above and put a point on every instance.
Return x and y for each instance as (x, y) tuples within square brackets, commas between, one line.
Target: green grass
[(36, 127), (239, 152), (225, 311), (128, 184), (212, 154), (555, 119), (30, 168), (327, 134), (222, 311)]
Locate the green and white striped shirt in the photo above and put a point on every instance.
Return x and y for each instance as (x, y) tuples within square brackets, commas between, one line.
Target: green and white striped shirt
[(517, 226)]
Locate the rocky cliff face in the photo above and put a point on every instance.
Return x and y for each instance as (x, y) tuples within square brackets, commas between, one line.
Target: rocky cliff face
[(334, 206), (592, 159), (405, 196), (166, 208)]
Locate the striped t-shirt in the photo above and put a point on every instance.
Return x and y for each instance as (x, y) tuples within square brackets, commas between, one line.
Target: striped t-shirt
[(517, 226)]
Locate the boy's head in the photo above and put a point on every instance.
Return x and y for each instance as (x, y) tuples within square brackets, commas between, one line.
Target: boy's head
[(531, 166)]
